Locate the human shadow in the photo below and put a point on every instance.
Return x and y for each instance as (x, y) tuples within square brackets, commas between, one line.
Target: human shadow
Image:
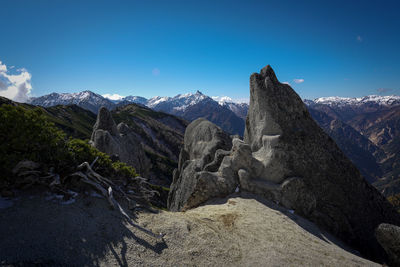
[(43, 232)]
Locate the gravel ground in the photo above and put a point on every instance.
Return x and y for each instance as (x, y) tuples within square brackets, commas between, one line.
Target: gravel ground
[(240, 230)]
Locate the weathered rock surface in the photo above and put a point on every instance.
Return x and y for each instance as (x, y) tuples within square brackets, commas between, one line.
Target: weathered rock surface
[(287, 140), (192, 183), (389, 237), (119, 142), (287, 158), (237, 231)]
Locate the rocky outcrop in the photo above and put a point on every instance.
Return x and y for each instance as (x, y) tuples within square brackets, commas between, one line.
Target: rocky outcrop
[(193, 181), (389, 237), (119, 142), (287, 158), (339, 198)]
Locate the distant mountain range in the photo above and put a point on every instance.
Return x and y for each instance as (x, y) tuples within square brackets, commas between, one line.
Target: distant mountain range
[(228, 115), (367, 129), (86, 99), (371, 100), (160, 134)]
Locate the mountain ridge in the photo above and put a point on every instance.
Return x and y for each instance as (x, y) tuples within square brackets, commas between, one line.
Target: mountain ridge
[(365, 128), (182, 101)]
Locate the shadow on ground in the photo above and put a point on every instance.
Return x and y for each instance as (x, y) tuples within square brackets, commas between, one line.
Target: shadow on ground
[(40, 232)]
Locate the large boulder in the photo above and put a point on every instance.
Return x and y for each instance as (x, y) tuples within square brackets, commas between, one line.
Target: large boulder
[(389, 237), (119, 142), (193, 182), (287, 158)]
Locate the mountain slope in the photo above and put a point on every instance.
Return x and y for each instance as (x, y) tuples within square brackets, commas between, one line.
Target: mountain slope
[(377, 119), (356, 147), (212, 111), (373, 117), (198, 105), (160, 133), (240, 109), (348, 108), (73, 120), (229, 116)]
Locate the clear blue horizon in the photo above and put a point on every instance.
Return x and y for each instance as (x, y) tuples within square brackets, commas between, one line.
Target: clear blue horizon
[(149, 48)]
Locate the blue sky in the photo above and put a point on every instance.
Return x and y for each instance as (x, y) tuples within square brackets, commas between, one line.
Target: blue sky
[(148, 48)]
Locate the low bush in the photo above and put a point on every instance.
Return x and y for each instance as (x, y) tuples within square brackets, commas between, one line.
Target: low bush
[(28, 135)]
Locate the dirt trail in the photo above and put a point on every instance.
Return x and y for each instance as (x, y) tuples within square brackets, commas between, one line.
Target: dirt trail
[(239, 230)]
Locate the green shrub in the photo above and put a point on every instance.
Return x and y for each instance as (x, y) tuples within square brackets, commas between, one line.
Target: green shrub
[(124, 170), (28, 135), (81, 151)]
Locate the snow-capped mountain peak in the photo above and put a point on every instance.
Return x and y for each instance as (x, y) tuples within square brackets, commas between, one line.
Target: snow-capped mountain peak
[(86, 99), (178, 102), (356, 101), (154, 101), (222, 99)]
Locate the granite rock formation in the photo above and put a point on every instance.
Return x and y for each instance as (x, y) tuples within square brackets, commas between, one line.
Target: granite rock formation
[(287, 158), (119, 142), (204, 143)]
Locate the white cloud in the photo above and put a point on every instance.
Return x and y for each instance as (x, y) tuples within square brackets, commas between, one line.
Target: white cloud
[(298, 80), (286, 83), (15, 86), (113, 96), (3, 67), (359, 38), (155, 72)]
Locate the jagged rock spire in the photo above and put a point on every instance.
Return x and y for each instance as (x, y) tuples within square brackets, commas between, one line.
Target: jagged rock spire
[(118, 142), (267, 71), (105, 122)]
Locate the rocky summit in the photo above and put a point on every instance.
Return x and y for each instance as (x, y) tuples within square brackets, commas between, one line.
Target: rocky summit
[(287, 158)]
